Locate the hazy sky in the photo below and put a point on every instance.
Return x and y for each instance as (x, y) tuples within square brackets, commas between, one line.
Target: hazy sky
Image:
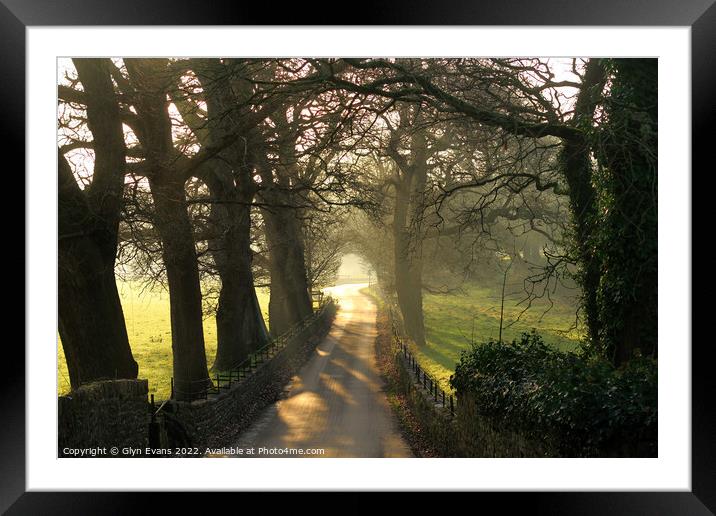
[(352, 265)]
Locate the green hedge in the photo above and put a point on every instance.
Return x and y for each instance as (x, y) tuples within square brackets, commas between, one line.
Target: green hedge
[(580, 405)]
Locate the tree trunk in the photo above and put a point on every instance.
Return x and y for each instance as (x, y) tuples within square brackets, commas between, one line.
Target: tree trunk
[(408, 269), (408, 287), (577, 165), (582, 198), (172, 222), (91, 321), (407, 237), (240, 328), (151, 80), (290, 300), (629, 291)]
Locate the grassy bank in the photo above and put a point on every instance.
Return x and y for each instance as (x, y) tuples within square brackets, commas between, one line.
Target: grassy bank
[(147, 317), (454, 321)]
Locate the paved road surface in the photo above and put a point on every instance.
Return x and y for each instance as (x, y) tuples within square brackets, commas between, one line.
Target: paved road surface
[(336, 401)]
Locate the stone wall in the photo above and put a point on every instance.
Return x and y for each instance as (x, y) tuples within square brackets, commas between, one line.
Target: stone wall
[(211, 422), (437, 424), (102, 415), (116, 413)]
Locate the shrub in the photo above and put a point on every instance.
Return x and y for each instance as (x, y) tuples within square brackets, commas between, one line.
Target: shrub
[(579, 404)]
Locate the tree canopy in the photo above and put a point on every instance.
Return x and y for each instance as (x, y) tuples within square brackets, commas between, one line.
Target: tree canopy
[(215, 176)]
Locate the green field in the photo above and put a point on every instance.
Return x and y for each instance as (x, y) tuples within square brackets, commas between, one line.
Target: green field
[(147, 316), (453, 321)]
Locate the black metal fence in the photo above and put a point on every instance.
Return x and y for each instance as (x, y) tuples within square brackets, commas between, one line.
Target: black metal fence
[(423, 379), (226, 379)]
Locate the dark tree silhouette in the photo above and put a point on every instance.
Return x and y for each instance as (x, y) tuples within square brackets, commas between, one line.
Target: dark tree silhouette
[(91, 321), (167, 173), (229, 177)]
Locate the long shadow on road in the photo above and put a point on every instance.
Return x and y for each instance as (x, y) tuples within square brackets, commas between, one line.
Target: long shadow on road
[(336, 402)]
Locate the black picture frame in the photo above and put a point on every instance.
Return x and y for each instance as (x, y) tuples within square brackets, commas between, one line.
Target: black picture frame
[(700, 15)]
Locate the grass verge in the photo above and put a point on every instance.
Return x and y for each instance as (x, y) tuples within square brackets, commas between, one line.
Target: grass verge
[(453, 322), (384, 352)]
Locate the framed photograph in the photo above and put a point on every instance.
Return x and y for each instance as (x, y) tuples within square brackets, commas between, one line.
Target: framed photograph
[(444, 248)]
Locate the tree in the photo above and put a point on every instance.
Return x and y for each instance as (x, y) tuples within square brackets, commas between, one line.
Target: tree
[(91, 321), (229, 177), (167, 172), (304, 168), (626, 237), (576, 161), (410, 180), (324, 234), (528, 105), (290, 300)]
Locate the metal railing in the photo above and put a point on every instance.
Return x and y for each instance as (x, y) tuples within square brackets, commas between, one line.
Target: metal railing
[(237, 373), (422, 378)]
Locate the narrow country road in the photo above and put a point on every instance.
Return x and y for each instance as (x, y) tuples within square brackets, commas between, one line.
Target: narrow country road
[(335, 402)]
